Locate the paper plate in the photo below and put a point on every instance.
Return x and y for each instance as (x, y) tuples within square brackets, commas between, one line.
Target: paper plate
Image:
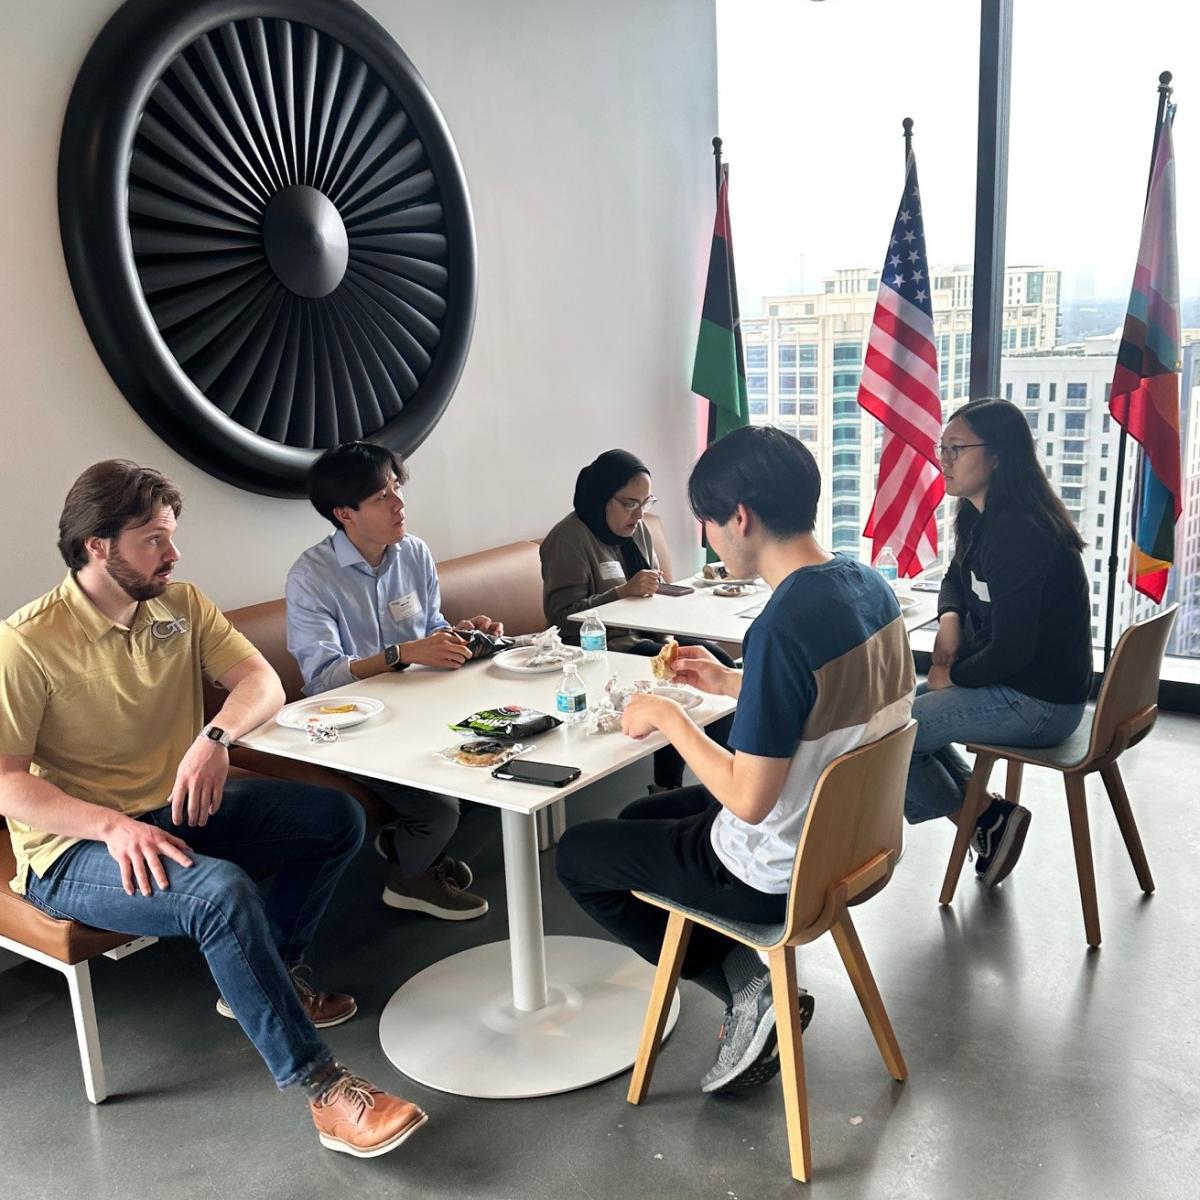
[(515, 660), (295, 716), (684, 696)]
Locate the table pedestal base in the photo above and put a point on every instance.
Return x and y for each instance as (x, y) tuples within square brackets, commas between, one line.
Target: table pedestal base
[(454, 1027)]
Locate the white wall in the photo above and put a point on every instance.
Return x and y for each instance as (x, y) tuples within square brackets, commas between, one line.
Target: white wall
[(585, 132)]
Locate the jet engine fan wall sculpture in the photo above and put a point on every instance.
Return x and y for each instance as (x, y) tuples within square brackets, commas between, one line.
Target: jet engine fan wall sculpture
[(268, 232)]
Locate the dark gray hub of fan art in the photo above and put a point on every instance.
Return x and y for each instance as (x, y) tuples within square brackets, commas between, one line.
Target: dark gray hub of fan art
[(306, 241)]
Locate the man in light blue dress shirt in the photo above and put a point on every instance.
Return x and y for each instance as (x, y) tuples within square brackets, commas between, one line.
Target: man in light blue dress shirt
[(366, 600)]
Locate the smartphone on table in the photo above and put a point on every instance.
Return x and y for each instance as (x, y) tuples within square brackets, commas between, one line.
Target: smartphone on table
[(524, 770), (674, 589)]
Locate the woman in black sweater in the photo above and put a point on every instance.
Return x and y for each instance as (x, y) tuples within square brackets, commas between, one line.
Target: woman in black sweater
[(1012, 662)]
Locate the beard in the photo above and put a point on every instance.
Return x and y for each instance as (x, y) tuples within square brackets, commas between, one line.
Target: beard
[(135, 585)]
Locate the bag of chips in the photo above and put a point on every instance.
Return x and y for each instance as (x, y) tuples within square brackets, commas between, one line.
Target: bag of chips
[(483, 645), (511, 723)]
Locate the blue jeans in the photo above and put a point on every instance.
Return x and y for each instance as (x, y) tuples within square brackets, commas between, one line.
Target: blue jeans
[(938, 775), (308, 834)]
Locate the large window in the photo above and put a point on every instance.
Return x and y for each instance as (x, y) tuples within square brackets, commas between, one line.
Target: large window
[(816, 251), (1073, 217), (1087, 238)]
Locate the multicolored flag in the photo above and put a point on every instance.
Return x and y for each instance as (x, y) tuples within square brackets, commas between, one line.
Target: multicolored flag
[(899, 388), (720, 370), (1145, 388)]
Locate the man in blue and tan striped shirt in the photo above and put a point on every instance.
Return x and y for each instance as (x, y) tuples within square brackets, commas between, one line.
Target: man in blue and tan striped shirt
[(827, 667)]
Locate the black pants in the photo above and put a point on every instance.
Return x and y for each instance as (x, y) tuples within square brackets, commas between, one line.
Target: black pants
[(668, 764), (660, 844)]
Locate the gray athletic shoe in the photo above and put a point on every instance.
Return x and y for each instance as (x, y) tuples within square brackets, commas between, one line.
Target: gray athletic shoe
[(747, 1050)]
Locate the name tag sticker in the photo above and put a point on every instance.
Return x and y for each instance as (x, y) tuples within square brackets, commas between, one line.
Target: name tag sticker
[(612, 570), (981, 589), (405, 607)]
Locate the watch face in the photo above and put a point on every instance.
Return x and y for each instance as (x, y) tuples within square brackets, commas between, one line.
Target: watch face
[(391, 656)]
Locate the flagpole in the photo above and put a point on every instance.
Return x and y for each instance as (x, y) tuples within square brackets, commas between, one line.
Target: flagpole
[(908, 124), (1164, 94), (718, 169)]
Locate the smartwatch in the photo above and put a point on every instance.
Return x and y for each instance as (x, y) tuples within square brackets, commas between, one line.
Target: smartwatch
[(215, 733), (391, 656)]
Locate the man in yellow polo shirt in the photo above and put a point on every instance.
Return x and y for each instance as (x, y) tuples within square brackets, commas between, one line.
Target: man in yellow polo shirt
[(118, 805)]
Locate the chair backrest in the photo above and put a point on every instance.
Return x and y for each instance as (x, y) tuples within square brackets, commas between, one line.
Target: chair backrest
[(1131, 682), (856, 813)]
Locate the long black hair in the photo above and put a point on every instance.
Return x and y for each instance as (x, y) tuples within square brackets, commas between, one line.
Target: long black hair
[(1018, 484)]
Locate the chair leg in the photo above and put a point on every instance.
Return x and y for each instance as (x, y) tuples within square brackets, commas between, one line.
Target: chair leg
[(1080, 836), (791, 1059), (1115, 786), (666, 978), (83, 1009), (972, 806), (850, 948), (1012, 782)]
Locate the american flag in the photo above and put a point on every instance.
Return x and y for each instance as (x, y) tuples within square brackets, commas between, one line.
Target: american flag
[(899, 388)]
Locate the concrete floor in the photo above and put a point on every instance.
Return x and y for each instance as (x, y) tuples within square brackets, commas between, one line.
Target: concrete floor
[(1038, 1070)]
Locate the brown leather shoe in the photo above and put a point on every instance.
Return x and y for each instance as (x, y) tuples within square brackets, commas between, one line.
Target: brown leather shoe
[(355, 1117), (324, 1009)]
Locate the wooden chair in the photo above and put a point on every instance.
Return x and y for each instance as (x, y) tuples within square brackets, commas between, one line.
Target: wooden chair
[(1124, 713), (848, 848)]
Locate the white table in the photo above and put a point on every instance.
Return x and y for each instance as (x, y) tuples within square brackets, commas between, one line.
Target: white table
[(534, 1015), (719, 618)]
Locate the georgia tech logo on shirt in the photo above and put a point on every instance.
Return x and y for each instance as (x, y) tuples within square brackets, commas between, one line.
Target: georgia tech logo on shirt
[(168, 629)]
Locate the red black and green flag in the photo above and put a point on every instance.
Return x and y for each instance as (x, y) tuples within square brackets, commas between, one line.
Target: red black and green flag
[(720, 370)]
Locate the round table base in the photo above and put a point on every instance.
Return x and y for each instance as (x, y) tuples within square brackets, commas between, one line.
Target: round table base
[(453, 1027)]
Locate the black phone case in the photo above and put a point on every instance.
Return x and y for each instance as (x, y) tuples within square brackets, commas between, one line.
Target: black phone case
[(573, 774)]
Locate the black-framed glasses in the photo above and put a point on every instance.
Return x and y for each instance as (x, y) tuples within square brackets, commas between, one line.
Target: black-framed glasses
[(630, 505), (950, 453)]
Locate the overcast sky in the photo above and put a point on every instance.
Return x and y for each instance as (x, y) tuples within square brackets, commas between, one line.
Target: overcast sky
[(812, 96)]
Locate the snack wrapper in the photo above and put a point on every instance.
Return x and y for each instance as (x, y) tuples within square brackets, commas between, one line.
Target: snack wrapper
[(320, 732), (483, 645), (548, 647), (510, 723), (481, 753)]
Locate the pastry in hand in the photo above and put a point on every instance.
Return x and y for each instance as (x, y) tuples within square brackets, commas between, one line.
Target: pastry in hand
[(338, 708), (662, 665)]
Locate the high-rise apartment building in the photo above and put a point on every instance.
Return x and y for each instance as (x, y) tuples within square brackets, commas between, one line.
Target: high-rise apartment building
[(804, 357)]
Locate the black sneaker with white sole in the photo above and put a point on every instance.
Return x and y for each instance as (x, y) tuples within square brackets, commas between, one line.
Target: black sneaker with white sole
[(748, 1044), (998, 840)]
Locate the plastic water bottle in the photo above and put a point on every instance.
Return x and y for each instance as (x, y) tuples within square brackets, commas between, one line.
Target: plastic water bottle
[(887, 566), (593, 637), (571, 699)]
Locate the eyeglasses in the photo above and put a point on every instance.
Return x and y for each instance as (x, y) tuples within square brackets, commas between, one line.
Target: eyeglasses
[(950, 453), (630, 505)]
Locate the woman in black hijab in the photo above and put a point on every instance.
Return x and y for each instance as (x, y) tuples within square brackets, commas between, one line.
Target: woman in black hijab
[(603, 551)]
